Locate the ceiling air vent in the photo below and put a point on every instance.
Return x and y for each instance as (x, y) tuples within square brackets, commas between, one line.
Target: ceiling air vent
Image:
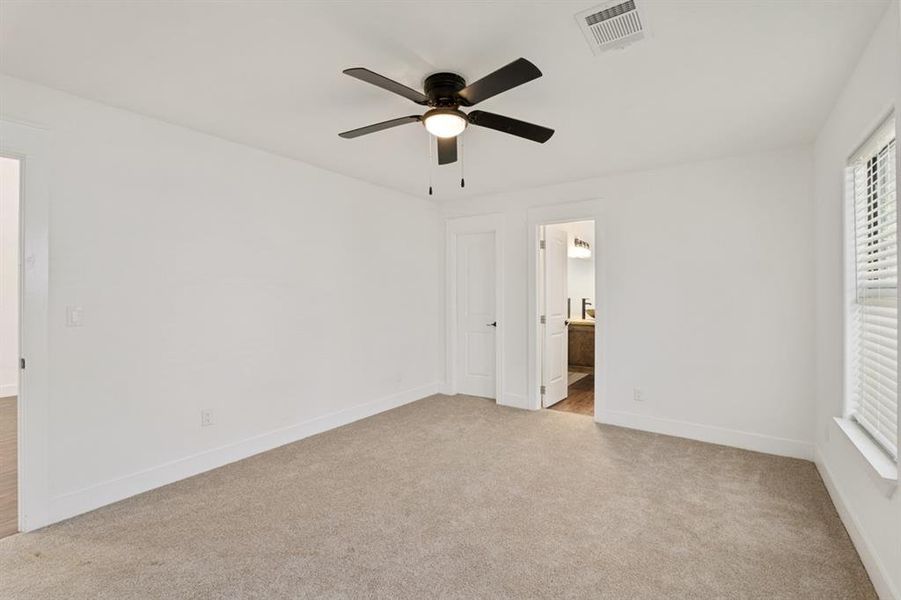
[(611, 25)]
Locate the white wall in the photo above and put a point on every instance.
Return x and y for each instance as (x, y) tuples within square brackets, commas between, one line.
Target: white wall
[(9, 276), (872, 516), (210, 275), (706, 289)]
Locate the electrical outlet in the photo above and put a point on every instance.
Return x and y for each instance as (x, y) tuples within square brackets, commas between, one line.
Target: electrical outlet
[(206, 417), (637, 395)]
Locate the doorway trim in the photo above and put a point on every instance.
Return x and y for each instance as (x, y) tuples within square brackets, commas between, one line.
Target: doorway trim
[(29, 145), (455, 227), (554, 214)]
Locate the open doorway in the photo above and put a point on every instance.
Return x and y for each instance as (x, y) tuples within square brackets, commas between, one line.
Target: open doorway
[(9, 344), (567, 304), (26, 237)]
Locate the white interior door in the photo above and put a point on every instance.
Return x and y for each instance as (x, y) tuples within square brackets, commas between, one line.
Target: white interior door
[(476, 319), (555, 358)]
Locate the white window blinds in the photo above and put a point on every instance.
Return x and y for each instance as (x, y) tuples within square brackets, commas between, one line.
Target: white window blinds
[(874, 402)]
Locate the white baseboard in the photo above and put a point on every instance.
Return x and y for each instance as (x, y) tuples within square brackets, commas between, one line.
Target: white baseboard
[(445, 388), (514, 400), (875, 569), (709, 433), (9, 389), (93, 497)]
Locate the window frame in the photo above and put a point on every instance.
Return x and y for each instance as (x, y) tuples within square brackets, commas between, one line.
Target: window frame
[(880, 457)]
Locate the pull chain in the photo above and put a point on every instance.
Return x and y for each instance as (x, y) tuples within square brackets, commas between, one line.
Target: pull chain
[(429, 140), (462, 171)]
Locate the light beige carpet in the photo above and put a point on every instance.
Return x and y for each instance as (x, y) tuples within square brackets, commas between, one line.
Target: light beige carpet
[(459, 498)]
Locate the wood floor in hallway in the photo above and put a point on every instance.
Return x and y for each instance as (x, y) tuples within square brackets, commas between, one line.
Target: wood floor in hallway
[(9, 518)]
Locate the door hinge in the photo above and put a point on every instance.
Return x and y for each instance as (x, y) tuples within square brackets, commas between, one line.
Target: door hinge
[(542, 245), (21, 363), (543, 390), (543, 320)]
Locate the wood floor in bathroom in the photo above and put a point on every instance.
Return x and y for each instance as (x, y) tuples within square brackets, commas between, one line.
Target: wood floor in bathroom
[(580, 399)]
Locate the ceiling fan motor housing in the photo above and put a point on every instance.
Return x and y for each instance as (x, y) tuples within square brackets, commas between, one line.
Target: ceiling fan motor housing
[(442, 88)]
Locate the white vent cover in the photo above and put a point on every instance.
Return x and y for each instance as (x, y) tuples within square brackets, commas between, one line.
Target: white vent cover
[(612, 25)]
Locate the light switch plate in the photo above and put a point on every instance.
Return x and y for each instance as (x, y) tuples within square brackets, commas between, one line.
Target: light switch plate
[(74, 316)]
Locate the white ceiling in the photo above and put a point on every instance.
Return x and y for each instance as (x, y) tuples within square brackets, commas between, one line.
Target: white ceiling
[(715, 78)]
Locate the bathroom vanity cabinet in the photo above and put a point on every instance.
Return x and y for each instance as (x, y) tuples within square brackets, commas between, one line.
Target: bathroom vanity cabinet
[(581, 343)]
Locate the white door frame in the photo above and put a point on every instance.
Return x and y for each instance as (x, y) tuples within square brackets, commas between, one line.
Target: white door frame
[(551, 215), (493, 223), (29, 145)]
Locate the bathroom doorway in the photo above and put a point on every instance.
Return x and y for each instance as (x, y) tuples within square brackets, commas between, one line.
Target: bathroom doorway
[(24, 223), (567, 316)]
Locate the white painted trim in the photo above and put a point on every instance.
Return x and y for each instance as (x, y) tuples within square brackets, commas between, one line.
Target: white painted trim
[(708, 433), (877, 571), (30, 144), (515, 401), (491, 223), (10, 389), (74, 503), (881, 465), (590, 210), (445, 388)]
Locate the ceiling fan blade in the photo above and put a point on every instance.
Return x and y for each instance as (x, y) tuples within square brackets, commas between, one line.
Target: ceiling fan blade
[(518, 72), (530, 131), (379, 126), (387, 84), (447, 150)]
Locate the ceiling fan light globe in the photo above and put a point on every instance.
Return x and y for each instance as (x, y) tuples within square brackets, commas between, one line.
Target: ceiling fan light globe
[(445, 124)]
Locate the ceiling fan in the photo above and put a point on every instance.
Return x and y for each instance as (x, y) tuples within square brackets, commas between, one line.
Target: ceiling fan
[(444, 94)]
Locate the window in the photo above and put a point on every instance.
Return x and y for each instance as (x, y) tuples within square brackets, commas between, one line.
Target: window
[(874, 307)]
